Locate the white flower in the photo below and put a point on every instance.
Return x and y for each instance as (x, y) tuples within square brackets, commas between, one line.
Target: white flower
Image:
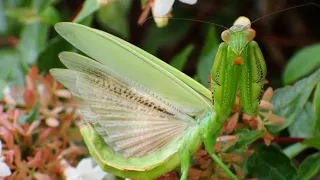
[(4, 168), (85, 171), (162, 7)]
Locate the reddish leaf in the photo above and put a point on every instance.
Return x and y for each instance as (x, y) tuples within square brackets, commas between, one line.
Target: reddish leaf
[(29, 97)]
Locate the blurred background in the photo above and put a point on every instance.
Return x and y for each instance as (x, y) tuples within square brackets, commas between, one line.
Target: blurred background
[(27, 36)]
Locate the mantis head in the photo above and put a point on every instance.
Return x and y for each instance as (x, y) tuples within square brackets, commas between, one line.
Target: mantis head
[(239, 35)]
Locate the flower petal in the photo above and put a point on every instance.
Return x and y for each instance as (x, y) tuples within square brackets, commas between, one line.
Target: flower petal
[(161, 22), (4, 170), (85, 165), (70, 172), (0, 147), (267, 94), (267, 137), (189, 1), (96, 174), (231, 123), (273, 119), (110, 176), (265, 105), (52, 122), (161, 7)]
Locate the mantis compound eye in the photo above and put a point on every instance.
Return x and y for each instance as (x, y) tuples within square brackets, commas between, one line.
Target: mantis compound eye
[(250, 34), (225, 36)]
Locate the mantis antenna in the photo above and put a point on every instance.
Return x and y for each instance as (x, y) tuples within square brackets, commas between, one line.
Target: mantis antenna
[(215, 24), (185, 19), (286, 9)]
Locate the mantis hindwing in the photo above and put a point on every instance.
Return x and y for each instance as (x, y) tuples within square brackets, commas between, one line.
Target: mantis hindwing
[(144, 117)]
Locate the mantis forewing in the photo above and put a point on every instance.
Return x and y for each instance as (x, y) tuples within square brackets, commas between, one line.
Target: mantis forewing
[(144, 117)]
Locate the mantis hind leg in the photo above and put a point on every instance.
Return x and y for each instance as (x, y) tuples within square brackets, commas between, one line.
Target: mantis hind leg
[(185, 164), (190, 144), (210, 128)]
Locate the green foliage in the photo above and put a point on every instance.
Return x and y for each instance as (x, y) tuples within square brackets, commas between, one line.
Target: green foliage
[(114, 16), (303, 63), (304, 124), (180, 59), (313, 142), (309, 167), (156, 38), (271, 163), (289, 101), (207, 55), (33, 40), (316, 107), (49, 57), (10, 69), (3, 19), (246, 137), (294, 149), (8, 59), (89, 7)]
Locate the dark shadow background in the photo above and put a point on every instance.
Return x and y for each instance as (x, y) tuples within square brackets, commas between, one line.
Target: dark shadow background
[(279, 35)]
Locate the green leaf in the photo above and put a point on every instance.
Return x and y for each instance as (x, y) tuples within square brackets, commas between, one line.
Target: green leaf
[(10, 69), (88, 20), (180, 59), (34, 113), (9, 59), (12, 26), (89, 7), (313, 142), (3, 19), (49, 57), (143, 2), (207, 56), (316, 108), (246, 137), (309, 167), (305, 123), (50, 16), (28, 15), (14, 3), (114, 16), (33, 41), (289, 101), (293, 150), (270, 163), (302, 64)]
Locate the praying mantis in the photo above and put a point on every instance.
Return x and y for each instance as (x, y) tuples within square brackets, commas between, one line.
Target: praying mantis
[(137, 127)]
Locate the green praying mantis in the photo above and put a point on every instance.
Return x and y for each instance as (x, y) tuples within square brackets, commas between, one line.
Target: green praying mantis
[(143, 117)]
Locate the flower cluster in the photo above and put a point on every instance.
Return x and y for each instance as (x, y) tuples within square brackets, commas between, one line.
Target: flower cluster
[(39, 137), (4, 168), (38, 130), (257, 122)]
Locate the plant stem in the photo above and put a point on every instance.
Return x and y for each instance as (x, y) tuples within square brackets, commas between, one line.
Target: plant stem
[(223, 166)]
